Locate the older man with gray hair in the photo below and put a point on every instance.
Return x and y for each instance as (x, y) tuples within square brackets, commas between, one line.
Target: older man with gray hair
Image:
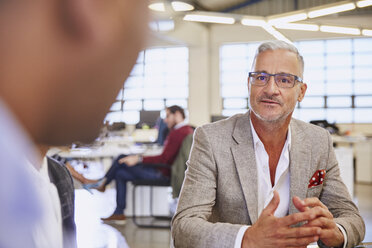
[(264, 179)]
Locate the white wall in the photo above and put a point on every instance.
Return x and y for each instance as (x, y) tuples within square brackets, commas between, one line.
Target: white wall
[(196, 37)]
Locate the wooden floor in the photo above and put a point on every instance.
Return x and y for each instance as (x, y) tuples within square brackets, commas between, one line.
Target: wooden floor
[(92, 233)]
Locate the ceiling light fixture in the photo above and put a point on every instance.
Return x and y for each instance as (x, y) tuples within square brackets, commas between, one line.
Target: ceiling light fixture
[(181, 6), (253, 22), (289, 18), (209, 18), (331, 10), (297, 26), (364, 3), (367, 32), (276, 33), (157, 6), (339, 30)]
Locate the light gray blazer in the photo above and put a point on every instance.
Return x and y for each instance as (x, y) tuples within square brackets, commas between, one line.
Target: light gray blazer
[(219, 193)]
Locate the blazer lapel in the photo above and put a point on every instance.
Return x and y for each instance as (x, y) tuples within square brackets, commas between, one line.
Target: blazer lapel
[(245, 162), (299, 165)]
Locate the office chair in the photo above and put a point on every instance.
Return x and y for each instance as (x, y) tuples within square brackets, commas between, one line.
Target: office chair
[(151, 183), (177, 175)]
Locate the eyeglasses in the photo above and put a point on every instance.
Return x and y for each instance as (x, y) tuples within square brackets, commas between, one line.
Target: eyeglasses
[(282, 80)]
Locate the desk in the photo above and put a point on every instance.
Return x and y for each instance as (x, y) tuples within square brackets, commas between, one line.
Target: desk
[(109, 150), (344, 157), (103, 156), (363, 166), (362, 151)]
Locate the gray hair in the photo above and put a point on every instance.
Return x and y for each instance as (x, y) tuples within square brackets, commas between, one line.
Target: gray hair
[(276, 45)]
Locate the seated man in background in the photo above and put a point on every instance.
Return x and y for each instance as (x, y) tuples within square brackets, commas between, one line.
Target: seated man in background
[(264, 179), (133, 167)]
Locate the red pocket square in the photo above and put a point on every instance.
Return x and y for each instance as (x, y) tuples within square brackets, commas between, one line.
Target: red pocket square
[(317, 178)]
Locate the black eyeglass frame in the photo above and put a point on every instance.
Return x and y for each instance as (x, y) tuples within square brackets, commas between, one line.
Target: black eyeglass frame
[(296, 78)]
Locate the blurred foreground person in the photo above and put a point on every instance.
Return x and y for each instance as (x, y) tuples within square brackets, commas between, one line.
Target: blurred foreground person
[(63, 62)]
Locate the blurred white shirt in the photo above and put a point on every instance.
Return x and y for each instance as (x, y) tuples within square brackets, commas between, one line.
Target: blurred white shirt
[(30, 214)]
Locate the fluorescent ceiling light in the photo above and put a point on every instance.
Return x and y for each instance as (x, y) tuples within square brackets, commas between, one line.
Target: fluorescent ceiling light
[(209, 18), (331, 10), (276, 33), (367, 32), (157, 6), (289, 18), (181, 6), (297, 26), (253, 22), (340, 30), (364, 3)]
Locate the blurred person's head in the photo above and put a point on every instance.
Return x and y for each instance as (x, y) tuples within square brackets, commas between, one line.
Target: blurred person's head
[(63, 62), (174, 115)]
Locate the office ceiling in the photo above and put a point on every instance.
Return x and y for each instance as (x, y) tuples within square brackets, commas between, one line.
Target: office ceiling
[(358, 18), (261, 7), (362, 17)]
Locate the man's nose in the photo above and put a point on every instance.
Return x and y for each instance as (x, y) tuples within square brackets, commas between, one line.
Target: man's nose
[(271, 87)]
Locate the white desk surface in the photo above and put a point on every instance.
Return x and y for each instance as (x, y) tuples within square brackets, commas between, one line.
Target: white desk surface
[(110, 150), (348, 139)]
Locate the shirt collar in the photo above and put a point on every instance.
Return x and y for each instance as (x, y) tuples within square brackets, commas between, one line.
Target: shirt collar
[(179, 125)]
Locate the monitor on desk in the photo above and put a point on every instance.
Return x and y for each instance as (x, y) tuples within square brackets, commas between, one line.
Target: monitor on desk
[(331, 127), (148, 118)]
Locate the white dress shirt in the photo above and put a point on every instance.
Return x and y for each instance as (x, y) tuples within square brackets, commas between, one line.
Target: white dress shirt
[(30, 213), (281, 185), (48, 230)]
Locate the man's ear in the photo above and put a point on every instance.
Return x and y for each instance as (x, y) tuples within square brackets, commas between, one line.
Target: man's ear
[(248, 85), (303, 88), (76, 17)]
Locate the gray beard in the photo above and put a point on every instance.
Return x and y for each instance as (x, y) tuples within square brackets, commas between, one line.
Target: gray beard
[(277, 120)]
